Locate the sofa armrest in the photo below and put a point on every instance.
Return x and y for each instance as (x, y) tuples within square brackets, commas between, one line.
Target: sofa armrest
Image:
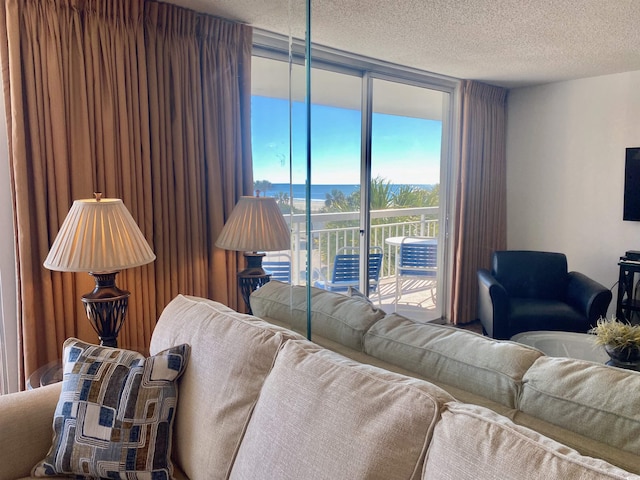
[(493, 305), (588, 296), (26, 420)]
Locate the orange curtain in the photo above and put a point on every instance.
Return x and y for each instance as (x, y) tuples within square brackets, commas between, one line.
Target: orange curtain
[(115, 97), (199, 71), (481, 198)]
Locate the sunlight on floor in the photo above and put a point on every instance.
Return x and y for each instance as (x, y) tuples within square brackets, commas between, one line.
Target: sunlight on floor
[(417, 301)]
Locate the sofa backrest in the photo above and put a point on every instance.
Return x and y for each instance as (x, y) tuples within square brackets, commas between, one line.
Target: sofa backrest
[(491, 373), (472, 443), (593, 400), (444, 354), (231, 355), (530, 274), (337, 317), (259, 401), (321, 415)]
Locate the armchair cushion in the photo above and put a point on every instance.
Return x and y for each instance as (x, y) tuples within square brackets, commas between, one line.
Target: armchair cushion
[(526, 314)]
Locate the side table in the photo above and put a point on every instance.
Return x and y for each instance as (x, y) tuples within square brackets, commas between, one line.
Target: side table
[(627, 305), (45, 375), (52, 372)]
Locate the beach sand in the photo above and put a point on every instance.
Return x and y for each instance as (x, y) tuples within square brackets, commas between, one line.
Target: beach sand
[(316, 205)]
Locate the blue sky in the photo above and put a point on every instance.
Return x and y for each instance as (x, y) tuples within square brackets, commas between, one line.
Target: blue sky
[(404, 149)]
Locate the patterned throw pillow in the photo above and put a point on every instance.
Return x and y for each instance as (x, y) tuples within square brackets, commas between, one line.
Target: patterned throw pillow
[(115, 413)]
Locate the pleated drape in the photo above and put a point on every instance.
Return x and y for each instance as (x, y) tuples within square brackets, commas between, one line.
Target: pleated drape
[(481, 192), (114, 97), (200, 100)]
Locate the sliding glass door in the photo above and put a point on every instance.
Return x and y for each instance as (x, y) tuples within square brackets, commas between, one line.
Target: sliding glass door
[(379, 175), (407, 167)]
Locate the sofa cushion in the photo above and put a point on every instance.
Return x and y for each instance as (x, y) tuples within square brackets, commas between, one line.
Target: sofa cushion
[(588, 398), (491, 446), (459, 358), (586, 446), (337, 317), (115, 413), (231, 355), (321, 415)]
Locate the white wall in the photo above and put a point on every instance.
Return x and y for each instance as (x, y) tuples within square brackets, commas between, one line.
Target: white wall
[(565, 171), (8, 315)]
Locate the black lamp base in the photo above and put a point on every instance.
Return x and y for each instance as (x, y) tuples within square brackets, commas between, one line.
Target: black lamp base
[(106, 307), (252, 277)]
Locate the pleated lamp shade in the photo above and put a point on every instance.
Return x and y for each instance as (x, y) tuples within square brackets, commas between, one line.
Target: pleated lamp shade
[(98, 235), (255, 224)]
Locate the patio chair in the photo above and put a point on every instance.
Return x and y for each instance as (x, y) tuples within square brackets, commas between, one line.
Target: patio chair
[(417, 259), (278, 266), (346, 271)]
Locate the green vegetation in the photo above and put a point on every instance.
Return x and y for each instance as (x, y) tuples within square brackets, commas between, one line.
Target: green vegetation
[(262, 186), (383, 196), (282, 198)]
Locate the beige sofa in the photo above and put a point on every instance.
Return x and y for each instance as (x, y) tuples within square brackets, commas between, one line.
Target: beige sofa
[(258, 401), (592, 408)]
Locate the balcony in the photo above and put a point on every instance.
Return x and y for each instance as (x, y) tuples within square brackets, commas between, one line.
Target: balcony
[(331, 231)]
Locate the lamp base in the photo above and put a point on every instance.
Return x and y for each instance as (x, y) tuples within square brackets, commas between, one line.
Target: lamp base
[(252, 277), (254, 264), (106, 307)]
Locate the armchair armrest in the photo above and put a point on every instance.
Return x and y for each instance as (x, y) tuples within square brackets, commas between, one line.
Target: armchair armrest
[(588, 296), (493, 305), (26, 420)]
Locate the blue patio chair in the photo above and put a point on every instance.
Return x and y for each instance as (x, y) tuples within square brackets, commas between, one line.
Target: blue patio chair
[(279, 267), (417, 259), (346, 271)]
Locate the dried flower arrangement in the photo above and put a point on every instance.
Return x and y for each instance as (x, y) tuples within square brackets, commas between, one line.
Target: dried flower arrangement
[(616, 334), (621, 341)]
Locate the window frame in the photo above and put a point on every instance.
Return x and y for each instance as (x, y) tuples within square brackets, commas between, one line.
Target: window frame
[(274, 46)]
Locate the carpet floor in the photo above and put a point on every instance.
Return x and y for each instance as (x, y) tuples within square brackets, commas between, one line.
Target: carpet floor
[(474, 326)]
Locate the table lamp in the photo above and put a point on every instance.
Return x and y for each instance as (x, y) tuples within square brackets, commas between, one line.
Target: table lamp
[(255, 226), (99, 236)]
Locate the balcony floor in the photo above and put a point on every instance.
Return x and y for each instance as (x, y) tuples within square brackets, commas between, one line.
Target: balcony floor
[(417, 302)]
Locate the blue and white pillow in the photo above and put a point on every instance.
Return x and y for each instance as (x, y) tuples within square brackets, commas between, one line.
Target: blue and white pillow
[(115, 414)]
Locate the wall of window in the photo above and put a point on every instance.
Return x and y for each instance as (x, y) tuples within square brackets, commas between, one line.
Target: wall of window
[(381, 138)]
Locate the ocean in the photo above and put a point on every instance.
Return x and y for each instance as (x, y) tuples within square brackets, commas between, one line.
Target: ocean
[(318, 192)]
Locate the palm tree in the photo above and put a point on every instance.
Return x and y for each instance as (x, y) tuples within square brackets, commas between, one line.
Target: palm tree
[(335, 200), (408, 196), (262, 186), (282, 198), (380, 194)]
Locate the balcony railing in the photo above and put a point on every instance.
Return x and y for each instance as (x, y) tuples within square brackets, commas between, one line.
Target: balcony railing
[(331, 231)]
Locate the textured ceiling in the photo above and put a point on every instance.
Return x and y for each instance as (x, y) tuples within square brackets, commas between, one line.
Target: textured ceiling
[(504, 42)]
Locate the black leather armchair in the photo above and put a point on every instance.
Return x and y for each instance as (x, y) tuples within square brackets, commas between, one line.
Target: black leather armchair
[(528, 290)]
